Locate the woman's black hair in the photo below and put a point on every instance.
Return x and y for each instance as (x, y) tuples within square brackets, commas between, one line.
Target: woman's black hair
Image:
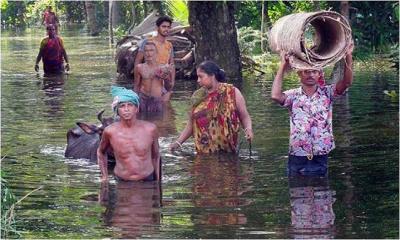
[(211, 68)]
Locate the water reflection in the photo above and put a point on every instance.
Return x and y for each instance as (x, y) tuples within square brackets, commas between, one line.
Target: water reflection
[(219, 185), (53, 87), (164, 120), (132, 207), (311, 201)]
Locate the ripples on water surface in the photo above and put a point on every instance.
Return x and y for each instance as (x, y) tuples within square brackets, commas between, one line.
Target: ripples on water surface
[(210, 197)]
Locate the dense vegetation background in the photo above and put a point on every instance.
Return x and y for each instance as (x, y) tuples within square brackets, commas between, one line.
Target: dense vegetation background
[(374, 23)]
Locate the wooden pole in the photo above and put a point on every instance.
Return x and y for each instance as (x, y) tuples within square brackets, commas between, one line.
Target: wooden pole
[(110, 22)]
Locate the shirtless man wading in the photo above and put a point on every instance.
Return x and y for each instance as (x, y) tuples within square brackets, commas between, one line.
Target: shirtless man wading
[(149, 80), (134, 142)]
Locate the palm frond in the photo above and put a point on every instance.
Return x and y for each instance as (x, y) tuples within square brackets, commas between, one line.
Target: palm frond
[(178, 10)]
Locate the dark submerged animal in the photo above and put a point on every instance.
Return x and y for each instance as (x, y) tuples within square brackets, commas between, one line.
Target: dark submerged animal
[(83, 140)]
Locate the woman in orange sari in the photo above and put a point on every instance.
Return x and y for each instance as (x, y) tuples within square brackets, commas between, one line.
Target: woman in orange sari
[(216, 113)]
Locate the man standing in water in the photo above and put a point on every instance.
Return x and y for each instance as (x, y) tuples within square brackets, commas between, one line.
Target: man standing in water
[(53, 53), (165, 51), (50, 18), (134, 142), (310, 109), (149, 81)]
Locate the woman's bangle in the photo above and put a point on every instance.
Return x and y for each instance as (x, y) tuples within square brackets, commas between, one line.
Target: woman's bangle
[(179, 144)]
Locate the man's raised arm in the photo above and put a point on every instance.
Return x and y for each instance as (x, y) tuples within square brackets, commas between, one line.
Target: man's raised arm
[(347, 80), (276, 92)]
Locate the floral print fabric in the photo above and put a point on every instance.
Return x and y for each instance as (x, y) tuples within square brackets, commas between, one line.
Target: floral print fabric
[(310, 121), (312, 211), (215, 120)]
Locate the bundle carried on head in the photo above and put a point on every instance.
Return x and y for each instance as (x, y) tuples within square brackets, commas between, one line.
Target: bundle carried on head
[(331, 37)]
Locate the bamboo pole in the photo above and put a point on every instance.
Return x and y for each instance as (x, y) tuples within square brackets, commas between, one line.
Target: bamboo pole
[(110, 22)]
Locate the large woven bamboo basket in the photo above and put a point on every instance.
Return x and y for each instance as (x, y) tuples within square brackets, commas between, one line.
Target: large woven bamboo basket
[(313, 40)]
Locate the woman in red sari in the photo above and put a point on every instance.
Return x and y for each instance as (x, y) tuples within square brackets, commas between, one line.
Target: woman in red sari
[(218, 109), (52, 53)]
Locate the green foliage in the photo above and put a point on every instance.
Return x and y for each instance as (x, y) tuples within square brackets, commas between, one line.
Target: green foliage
[(3, 5), (368, 33), (120, 32), (392, 93), (127, 17), (248, 14), (394, 56), (249, 40), (280, 8), (12, 13), (72, 11), (34, 12), (7, 202), (178, 10)]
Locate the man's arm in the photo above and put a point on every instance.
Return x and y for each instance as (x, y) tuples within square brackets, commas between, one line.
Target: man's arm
[(64, 53), (139, 58), (276, 92), (155, 154), (66, 59), (347, 80), (244, 115), (102, 155), (38, 58), (137, 78)]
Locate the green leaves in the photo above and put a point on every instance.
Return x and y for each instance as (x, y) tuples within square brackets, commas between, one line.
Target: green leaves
[(179, 11)]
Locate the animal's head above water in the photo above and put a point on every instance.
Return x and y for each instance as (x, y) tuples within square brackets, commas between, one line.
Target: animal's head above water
[(93, 129), (83, 140)]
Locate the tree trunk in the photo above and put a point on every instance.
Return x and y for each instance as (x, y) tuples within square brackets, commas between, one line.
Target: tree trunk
[(264, 24), (345, 9), (156, 5), (110, 21), (106, 9), (133, 12), (91, 18), (116, 13), (214, 29), (137, 15), (145, 9), (317, 6), (338, 69)]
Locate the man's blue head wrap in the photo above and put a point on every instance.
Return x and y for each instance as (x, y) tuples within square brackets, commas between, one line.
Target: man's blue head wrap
[(121, 94)]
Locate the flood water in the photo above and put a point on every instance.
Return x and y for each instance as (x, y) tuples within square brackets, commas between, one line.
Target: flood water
[(201, 197)]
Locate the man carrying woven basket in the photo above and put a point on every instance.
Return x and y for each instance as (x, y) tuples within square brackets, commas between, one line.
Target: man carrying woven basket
[(310, 111)]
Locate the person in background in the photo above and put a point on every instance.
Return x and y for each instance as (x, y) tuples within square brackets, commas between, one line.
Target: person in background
[(165, 50), (52, 53), (149, 81), (50, 18), (218, 109)]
